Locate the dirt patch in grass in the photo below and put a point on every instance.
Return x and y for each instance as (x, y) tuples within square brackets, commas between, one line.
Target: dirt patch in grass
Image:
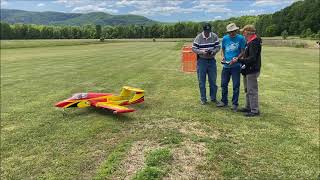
[(187, 159), (186, 127), (200, 130), (135, 159)]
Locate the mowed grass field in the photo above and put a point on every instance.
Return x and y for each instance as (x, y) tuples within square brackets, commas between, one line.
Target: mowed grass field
[(170, 136)]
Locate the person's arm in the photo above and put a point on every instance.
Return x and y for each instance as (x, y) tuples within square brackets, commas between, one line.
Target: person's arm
[(242, 47), (253, 52), (222, 49), (216, 45), (195, 47), (222, 54), (241, 54)]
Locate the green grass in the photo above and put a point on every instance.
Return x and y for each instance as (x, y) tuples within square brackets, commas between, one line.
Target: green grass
[(11, 44), (149, 173), (40, 141), (156, 162), (114, 158), (171, 137), (291, 41), (159, 157)]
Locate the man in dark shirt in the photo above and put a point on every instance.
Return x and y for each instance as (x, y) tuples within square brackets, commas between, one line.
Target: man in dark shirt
[(251, 64)]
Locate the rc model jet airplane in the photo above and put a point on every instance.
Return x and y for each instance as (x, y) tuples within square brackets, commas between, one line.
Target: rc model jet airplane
[(115, 103)]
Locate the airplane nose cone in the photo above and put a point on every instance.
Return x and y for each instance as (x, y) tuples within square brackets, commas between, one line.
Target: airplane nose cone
[(61, 104)]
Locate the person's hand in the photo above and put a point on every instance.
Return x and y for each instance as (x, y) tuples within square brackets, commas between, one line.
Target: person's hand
[(209, 52), (234, 60), (225, 62), (203, 52)]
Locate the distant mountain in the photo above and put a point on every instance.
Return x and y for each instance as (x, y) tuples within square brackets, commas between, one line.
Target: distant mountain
[(12, 16)]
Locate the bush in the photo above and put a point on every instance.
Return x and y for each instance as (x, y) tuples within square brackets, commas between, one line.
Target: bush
[(317, 36), (284, 34), (306, 33)]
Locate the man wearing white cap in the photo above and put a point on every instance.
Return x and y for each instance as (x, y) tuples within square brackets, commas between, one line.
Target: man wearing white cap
[(233, 46)]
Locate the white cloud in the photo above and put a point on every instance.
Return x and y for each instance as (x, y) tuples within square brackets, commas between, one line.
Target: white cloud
[(212, 8), (170, 7), (148, 7), (261, 3), (217, 17), (164, 11), (249, 12), (76, 3), (211, 2), (147, 3), (93, 8), (4, 3), (124, 3), (85, 6), (40, 5), (160, 7)]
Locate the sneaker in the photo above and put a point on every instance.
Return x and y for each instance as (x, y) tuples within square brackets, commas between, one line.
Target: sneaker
[(246, 110), (214, 101), (234, 108), (252, 114), (221, 104), (203, 102)]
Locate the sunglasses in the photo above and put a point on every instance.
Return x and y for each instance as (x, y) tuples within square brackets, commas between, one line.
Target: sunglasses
[(232, 31)]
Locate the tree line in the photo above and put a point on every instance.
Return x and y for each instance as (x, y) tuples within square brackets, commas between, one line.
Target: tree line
[(178, 30), (28, 31), (301, 18)]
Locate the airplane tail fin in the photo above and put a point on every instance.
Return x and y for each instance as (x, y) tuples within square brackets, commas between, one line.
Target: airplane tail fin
[(135, 95)]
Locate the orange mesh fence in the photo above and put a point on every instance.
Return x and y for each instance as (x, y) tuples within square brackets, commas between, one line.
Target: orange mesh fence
[(189, 59)]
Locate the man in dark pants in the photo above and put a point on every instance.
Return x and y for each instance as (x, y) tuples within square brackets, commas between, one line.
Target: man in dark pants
[(233, 45), (251, 64), (206, 45)]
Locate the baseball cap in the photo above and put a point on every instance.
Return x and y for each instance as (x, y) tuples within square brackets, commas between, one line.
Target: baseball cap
[(207, 27)]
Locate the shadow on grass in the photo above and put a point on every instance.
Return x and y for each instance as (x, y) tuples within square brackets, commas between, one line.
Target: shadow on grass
[(109, 113), (76, 112), (276, 116)]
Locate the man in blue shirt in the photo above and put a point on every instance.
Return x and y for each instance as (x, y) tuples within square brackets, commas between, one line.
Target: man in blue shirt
[(233, 45)]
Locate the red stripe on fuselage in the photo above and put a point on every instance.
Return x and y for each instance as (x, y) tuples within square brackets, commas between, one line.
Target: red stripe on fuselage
[(96, 95)]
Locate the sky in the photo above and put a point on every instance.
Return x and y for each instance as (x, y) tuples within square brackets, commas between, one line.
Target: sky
[(159, 10)]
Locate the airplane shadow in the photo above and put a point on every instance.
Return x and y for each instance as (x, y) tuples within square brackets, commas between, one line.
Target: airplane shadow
[(109, 113), (103, 112), (76, 112)]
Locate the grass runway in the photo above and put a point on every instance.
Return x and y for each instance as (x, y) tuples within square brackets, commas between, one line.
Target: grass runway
[(170, 135)]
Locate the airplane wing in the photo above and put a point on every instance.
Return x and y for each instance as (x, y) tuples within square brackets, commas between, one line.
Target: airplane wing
[(115, 108)]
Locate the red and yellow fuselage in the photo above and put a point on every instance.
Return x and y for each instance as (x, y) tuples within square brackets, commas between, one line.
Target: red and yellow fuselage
[(116, 103)]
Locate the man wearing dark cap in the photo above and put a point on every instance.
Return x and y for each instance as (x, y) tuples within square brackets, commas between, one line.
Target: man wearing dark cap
[(206, 45)]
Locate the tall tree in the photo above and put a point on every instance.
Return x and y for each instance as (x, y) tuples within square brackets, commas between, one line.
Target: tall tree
[(98, 31)]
